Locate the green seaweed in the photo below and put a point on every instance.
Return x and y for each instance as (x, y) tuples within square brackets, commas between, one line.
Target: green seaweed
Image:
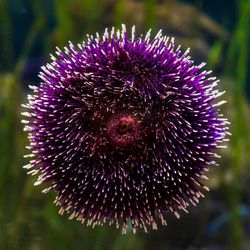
[(119, 13), (150, 8), (237, 67)]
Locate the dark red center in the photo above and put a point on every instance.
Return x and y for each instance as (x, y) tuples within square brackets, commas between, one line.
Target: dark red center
[(123, 130)]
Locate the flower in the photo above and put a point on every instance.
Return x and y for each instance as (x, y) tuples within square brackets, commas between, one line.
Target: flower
[(124, 129)]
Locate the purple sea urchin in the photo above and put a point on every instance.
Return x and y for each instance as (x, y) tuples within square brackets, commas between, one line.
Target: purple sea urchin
[(124, 129)]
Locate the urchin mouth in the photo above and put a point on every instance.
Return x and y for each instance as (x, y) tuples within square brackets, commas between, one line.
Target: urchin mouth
[(123, 130)]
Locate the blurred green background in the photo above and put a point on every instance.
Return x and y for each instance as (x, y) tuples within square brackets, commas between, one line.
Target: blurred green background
[(218, 32)]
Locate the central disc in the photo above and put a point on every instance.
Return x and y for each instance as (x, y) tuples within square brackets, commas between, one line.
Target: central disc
[(123, 130)]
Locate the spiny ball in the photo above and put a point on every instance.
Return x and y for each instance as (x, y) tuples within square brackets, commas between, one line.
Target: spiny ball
[(123, 129)]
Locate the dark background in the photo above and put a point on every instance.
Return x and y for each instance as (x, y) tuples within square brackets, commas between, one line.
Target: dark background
[(218, 33)]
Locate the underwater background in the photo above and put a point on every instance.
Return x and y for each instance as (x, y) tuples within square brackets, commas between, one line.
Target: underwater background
[(218, 33)]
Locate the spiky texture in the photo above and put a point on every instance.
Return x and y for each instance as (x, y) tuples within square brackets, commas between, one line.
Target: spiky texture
[(124, 129)]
